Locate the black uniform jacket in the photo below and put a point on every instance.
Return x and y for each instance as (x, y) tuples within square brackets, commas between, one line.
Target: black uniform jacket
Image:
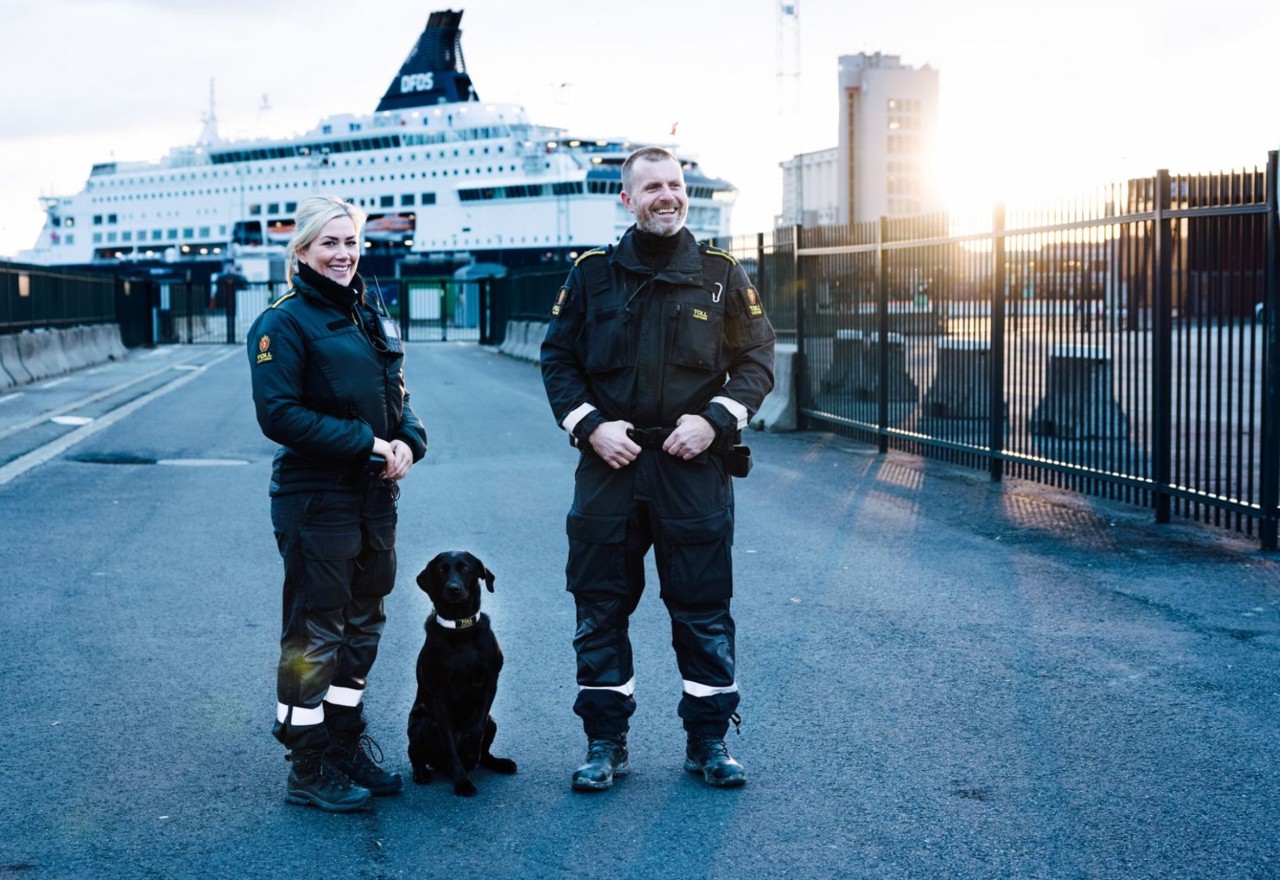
[(321, 388), (649, 348)]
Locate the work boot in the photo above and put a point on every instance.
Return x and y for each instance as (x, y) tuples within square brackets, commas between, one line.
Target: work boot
[(315, 779), (358, 756), (606, 758), (710, 756)]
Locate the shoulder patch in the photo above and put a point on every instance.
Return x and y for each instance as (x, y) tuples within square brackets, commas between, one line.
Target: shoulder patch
[(288, 295), (594, 252), (560, 298), (709, 248), (264, 349)]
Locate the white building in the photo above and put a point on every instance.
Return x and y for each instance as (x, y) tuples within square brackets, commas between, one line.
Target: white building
[(883, 164)]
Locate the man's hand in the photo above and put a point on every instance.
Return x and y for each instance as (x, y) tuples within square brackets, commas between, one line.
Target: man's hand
[(610, 441), (692, 436)]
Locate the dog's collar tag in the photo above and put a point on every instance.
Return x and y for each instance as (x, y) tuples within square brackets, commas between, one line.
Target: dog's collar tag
[(457, 624)]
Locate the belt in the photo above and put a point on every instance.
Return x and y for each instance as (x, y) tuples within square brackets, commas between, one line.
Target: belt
[(649, 438)]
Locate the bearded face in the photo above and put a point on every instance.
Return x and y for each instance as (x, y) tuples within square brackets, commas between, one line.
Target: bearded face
[(657, 196)]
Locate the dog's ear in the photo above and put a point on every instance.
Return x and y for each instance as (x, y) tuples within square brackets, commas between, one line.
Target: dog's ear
[(489, 577), (424, 577)]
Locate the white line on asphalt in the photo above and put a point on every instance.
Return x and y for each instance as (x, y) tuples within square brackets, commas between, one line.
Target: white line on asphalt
[(22, 464), (14, 396), (77, 404), (55, 383), (71, 420)]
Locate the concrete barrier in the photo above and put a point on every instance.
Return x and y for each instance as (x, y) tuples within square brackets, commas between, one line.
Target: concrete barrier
[(532, 350), (855, 367), (1078, 402), (778, 410), (11, 360), (514, 336), (41, 354), (962, 380), (73, 343), (111, 339)]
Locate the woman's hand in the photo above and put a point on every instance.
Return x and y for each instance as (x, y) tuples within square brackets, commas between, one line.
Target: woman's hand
[(399, 460)]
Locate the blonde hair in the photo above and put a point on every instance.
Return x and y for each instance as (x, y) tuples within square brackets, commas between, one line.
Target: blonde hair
[(311, 217)]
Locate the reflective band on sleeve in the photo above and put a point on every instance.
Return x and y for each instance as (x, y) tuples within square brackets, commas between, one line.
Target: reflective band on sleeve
[(693, 689), (737, 410), (341, 696), (302, 716), (625, 689), (571, 420)]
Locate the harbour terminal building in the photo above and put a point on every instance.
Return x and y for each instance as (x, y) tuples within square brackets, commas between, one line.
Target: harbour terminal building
[(882, 165)]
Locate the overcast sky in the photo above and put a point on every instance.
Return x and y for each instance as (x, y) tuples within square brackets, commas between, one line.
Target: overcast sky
[(1036, 96)]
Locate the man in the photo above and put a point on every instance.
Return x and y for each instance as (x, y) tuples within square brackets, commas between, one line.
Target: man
[(656, 356)]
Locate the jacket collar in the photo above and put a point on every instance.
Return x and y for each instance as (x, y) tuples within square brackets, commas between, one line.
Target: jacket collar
[(310, 281), (685, 266)]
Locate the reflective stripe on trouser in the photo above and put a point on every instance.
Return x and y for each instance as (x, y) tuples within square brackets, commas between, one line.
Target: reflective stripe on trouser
[(339, 560), (703, 636)]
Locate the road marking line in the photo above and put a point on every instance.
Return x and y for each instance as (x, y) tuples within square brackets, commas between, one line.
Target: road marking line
[(14, 396), (24, 463)]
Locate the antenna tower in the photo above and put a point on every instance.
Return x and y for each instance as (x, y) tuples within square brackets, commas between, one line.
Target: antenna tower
[(788, 30)]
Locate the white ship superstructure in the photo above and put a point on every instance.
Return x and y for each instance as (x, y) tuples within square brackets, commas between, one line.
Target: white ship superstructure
[(443, 176)]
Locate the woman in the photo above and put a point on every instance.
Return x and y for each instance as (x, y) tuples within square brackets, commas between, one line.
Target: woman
[(328, 386)]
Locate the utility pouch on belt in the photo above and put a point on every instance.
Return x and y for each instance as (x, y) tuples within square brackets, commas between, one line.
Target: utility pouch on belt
[(738, 461)]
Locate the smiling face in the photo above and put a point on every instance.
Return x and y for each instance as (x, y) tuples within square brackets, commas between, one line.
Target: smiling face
[(335, 252), (657, 196)]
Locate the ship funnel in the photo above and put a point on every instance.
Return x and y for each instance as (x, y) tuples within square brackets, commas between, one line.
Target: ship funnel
[(434, 72)]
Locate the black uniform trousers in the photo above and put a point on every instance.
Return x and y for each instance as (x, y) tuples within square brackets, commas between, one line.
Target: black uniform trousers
[(339, 558), (684, 511)]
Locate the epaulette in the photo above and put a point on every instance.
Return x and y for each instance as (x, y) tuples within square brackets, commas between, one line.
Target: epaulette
[(708, 248), (594, 252), (288, 295)]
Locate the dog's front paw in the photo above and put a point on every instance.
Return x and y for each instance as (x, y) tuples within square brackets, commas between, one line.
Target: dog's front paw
[(421, 775), (464, 787), (499, 765)]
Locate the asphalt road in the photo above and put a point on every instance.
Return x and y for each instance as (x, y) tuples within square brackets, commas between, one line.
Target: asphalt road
[(941, 678)]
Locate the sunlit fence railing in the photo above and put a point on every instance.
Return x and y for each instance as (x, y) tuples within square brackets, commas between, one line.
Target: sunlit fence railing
[(1121, 344)]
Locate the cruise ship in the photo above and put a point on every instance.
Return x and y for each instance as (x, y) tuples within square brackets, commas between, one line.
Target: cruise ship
[(445, 177)]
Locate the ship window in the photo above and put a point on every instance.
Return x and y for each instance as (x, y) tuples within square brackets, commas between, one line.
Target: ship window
[(204, 231), (255, 210), (406, 199), (68, 222), (97, 219), (290, 207), (273, 208), (69, 238), (157, 234), (172, 235), (188, 233), (428, 198), (126, 235), (386, 201), (97, 238)]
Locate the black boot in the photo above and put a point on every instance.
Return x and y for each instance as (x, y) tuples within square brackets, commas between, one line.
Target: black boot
[(606, 758), (709, 756), (315, 780), (354, 755)]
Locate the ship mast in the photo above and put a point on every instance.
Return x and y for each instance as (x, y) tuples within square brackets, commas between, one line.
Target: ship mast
[(209, 133)]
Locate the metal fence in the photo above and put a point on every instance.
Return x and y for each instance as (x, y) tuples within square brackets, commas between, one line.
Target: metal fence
[(32, 297), (1122, 344)]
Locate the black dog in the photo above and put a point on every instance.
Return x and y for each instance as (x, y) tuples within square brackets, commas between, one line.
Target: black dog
[(450, 728)]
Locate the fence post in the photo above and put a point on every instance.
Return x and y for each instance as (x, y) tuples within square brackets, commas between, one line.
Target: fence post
[(1270, 476), (1162, 352), (999, 276), (882, 331), (799, 372), (405, 317)]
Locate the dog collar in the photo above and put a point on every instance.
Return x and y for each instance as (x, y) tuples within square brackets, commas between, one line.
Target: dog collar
[(457, 624)]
